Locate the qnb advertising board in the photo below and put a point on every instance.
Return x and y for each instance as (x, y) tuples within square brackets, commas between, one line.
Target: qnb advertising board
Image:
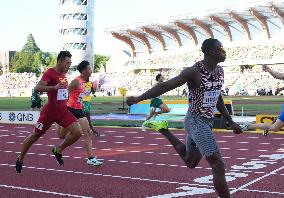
[(19, 117)]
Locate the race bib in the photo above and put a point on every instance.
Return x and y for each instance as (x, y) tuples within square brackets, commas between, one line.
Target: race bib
[(210, 98), (81, 96), (62, 94)]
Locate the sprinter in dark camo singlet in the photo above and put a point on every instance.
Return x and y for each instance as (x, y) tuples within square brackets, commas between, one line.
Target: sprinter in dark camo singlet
[(204, 81), (205, 97)]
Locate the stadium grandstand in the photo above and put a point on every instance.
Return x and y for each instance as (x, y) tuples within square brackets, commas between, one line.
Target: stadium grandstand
[(251, 34)]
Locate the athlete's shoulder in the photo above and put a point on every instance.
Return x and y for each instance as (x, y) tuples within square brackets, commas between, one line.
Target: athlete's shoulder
[(192, 70)]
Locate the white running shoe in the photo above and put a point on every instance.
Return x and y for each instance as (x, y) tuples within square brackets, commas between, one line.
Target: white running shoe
[(94, 162), (245, 126)]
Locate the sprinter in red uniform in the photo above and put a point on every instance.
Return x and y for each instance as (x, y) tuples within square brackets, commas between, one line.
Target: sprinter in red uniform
[(55, 84)]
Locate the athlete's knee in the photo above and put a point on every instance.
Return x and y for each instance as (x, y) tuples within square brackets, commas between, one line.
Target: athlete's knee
[(192, 159), (75, 130), (216, 163), (62, 135)]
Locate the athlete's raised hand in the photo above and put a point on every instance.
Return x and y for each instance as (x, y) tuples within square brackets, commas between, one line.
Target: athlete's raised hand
[(236, 128), (131, 100)]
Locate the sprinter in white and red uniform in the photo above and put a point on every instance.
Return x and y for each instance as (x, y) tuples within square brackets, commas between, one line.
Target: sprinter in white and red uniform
[(204, 80), (54, 82)]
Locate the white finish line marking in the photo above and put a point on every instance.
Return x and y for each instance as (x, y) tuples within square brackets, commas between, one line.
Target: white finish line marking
[(257, 179), (42, 191)]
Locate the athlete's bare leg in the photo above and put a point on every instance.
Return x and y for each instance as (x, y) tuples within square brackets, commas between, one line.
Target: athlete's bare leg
[(152, 113), (28, 142), (73, 135)]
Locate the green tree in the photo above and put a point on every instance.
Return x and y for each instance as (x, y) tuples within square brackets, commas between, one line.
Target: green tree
[(30, 46), (100, 61), (30, 59)]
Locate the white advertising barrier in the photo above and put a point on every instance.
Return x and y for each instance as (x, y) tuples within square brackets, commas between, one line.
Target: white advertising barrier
[(19, 117)]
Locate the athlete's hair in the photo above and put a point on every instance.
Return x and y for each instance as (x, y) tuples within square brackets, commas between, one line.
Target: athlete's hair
[(209, 44), (82, 66), (63, 55), (158, 77)]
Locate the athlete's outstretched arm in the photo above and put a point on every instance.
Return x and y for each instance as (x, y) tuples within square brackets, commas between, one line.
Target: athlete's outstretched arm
[(42, 86), (275, 74), (223, 110), (185, 76)]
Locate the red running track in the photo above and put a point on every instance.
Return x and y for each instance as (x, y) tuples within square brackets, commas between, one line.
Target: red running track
[(138, 164)]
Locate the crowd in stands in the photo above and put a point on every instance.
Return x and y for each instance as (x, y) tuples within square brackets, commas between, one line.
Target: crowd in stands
[(236, 54), (16, 84), (239, 80)]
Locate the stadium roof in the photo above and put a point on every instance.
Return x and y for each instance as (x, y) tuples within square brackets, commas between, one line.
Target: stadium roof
[(229, 23)]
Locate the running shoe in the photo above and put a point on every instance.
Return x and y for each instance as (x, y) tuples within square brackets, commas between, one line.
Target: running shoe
[(93, 161), (156, 125), (265, 133), (244, 126), (19, 166), (58, 156)]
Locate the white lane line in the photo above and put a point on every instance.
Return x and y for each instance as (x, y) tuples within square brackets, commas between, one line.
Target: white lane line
[(262, 150), (242, 149), (4, 130), (256, 180), (114, 176), (243, 142), (42, 191), (19, 127), (109, 131), (252, 137), (278, 138), (264, 143), (263, 191), (24, 131)]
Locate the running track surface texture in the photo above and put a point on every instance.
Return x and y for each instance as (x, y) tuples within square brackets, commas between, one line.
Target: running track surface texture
[(138, 164)]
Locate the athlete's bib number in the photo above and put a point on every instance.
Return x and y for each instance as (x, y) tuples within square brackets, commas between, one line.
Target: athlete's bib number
[(62, 94), (81, 96), (210, 98)]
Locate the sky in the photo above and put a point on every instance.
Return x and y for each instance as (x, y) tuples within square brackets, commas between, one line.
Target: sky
[(18, 18)]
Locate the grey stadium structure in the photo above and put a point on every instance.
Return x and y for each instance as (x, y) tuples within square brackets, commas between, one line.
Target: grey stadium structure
[(255, 21)]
